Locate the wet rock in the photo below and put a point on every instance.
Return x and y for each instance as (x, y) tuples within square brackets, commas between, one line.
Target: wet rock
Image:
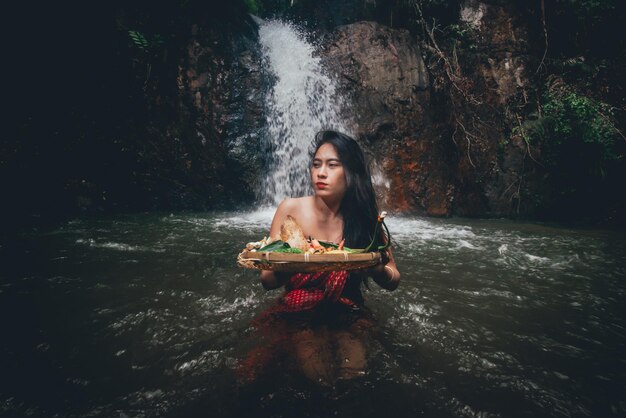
[(382, 73), (506, 171), (414, 130), (222, 92)]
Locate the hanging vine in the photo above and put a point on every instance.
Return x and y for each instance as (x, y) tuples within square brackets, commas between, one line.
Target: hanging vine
[(448, 70)]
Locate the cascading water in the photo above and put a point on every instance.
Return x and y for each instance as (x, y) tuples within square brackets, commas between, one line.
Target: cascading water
[(302, 101)]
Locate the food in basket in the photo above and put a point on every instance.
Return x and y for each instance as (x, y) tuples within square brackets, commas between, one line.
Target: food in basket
[(291, 233), (292, 240), (255, 245), (309, 255)]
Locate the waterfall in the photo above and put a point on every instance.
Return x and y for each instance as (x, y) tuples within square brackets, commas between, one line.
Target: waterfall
[(302, 101)]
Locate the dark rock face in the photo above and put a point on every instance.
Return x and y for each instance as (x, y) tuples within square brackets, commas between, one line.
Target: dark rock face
[(198, 149), (189, 134), (439, 157), (221, 87), (385, 79), (127, 127), (108, 134), (498, 69)]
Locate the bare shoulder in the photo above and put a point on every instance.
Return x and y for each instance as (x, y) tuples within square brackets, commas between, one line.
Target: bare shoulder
[(294, 205)]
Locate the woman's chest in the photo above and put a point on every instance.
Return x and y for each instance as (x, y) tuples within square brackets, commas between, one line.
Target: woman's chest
[(322, 230)]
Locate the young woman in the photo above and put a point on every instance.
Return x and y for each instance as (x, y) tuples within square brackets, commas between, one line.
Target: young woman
[(343, 207), (321, 317)]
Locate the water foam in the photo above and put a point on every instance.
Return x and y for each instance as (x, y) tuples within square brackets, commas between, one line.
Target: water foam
[(117, 246), (252, 220), (411, 229)]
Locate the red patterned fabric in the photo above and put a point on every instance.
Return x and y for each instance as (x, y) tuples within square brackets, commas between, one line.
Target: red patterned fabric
[(307, 290)]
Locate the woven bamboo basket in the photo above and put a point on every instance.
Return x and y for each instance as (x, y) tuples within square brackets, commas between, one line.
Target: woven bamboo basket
[(307, 263)]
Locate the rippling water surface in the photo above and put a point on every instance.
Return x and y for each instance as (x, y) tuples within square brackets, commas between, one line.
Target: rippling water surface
[(148, 315)]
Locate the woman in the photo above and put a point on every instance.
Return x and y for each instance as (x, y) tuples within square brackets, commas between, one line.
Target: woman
[(324, 311)]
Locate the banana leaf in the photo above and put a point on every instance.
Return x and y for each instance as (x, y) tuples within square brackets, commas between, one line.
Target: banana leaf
[(274, 246), (289, 250), (281, 246), (336, 246)]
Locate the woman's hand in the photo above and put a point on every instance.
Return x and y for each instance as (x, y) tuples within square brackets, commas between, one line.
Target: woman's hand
[(385, 274), (273, 279)]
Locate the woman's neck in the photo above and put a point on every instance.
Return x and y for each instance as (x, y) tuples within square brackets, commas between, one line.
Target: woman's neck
[(328, 209)]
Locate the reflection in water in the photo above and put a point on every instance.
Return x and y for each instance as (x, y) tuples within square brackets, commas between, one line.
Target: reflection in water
[(149, 315), (324, 345)]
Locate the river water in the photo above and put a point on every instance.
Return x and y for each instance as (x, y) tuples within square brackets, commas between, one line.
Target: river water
[(149, 315)]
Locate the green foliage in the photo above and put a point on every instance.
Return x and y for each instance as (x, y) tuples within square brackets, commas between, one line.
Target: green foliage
[(534, 130), (460, 31), (581, 122), (289, 250), (147, 50), (580, 148), (252, 6), (138, 39), (463, 35), (275, 246), (144, 44)]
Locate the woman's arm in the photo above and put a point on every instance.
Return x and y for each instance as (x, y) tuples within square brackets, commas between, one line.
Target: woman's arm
[(270, 279), (386, 274)]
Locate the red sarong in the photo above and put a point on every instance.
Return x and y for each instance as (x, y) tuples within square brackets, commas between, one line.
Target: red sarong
[(303, 292), (307, 290)]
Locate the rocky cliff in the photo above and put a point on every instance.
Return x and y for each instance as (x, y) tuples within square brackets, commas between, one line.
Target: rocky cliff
[(441, 155), (445, 111), (464, 111), (470, 108)]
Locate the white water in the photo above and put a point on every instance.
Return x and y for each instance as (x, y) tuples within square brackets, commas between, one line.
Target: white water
[(303, 101)]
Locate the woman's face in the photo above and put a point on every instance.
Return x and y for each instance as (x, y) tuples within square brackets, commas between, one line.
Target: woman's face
[(327, 173)]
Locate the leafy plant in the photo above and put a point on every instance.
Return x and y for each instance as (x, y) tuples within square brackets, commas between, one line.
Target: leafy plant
[(534, 130), (580, 122), (463, 34), (148, 49), (148, 46), (580, 150), (139, 40)]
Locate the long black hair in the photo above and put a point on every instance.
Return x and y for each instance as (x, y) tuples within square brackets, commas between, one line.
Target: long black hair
[(358, 207)]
